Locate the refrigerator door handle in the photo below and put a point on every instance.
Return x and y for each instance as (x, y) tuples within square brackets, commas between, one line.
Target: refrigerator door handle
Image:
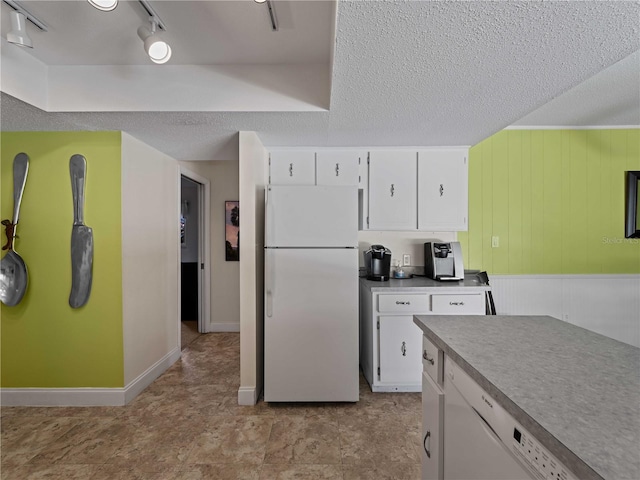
[(270, 216), (271, 282)]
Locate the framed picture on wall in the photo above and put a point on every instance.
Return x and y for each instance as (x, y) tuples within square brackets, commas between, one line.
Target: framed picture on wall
[(232, 230)]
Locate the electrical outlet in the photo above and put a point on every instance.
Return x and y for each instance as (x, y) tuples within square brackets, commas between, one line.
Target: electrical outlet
[(495, 242), (406, 259)]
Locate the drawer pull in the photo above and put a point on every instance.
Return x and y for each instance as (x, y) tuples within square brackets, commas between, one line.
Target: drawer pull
[(456, 303), (427, 438), (425, 355), (403, 349), (399, 302)]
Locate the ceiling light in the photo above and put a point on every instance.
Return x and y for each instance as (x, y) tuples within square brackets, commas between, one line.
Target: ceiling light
[(104, 5), (158, 50), (260, 1), (18, 34)]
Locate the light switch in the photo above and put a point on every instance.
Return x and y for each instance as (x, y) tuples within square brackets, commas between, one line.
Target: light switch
[(406, 259), (495, 242)]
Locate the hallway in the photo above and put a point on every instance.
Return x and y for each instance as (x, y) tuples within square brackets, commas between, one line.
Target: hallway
[(187, 425)]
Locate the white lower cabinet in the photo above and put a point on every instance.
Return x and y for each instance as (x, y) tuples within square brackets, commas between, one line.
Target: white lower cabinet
[(400, 350), (391, 345), (432, 429)]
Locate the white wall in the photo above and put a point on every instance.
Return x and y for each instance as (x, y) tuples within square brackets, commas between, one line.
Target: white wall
[(150, 258), (253, 174), (225, 276)]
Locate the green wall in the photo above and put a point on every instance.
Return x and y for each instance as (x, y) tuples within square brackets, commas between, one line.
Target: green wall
[(46, 343), (555, 199)]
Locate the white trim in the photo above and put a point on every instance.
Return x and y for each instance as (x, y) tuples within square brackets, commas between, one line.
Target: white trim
[(147, 377), (224, 327), (71, 397), (204, 250), (306, 148), (87, 397), (571, 127), (247, 396), (604, 276)]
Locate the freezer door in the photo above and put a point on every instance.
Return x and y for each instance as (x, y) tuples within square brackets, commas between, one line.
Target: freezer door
[(311, 325), (317, 216)]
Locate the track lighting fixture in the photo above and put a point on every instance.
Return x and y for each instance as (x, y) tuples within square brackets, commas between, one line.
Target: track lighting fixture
[(158, 50), (18, 34), (19, 17), (104, 5)]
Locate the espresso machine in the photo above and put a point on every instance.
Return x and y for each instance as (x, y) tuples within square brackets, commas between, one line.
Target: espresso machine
[(443, 261), (377, 261)]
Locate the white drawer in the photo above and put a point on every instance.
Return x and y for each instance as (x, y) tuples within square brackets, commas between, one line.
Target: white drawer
[(458, 304), (403, 303), (432, 360)]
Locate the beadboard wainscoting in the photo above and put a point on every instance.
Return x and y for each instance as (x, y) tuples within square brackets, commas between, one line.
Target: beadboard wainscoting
[(605, 304)]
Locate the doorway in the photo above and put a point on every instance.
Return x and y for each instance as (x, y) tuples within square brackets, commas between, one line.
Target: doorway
[(194, 253)]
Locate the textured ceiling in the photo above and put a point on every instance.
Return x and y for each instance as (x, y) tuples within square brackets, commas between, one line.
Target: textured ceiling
[(418, 74)]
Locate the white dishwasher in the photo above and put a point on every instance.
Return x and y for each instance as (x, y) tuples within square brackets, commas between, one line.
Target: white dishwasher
[(483, 442)]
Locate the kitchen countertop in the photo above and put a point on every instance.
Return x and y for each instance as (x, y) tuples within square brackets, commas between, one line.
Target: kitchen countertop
[(577, 392), (420, 283)]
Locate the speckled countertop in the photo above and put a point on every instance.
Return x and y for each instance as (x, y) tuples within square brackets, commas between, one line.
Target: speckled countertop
[(576, 391), (418, 284)]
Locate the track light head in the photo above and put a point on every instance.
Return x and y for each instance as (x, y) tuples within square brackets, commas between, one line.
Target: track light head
[(18, 34), (158, 50), (104, 5)]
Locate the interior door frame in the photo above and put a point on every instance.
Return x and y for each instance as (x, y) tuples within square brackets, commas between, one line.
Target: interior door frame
[(204, 248)]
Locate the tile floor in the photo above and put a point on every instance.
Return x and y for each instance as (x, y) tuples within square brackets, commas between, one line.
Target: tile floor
[(187, 425)]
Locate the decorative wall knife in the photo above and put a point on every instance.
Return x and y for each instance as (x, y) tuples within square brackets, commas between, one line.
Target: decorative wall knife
[(81, 237)]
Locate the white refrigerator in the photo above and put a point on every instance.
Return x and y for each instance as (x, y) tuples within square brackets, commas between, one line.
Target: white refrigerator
[(311, 294)]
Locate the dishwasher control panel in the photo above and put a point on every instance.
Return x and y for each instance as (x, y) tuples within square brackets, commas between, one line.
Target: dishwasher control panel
[(536, 458)]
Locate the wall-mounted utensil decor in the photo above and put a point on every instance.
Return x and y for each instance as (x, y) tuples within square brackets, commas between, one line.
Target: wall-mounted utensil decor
[(81, 237), (13, 271)]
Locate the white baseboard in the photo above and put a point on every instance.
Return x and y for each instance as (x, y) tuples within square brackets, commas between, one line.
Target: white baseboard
[(61, 397), (224, 327), (247, 396), (146, 378), (86, 397)]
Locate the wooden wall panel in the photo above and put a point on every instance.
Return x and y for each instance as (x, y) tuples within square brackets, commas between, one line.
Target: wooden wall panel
[(555, 199)]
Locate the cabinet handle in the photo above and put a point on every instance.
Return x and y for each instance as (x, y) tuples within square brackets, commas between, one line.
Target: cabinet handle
[(398, 302), (427, 438), (425, 355), (393, 189), (337, 169), (403, 349), (441, 189), (455, 304), (291, 169)]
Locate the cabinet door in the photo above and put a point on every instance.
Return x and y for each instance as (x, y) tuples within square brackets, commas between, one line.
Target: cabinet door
[(338, 168), (400, 350), (292, 168), (392, 190), (432, 428), (442, 190)]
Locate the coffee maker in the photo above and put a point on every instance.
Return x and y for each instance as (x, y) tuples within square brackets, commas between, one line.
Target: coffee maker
[(377, 261), (443, 261)]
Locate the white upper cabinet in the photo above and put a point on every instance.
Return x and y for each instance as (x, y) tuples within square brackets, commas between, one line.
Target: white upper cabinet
[(442, 189), (392, 190), (338, 167), (292, 167)]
